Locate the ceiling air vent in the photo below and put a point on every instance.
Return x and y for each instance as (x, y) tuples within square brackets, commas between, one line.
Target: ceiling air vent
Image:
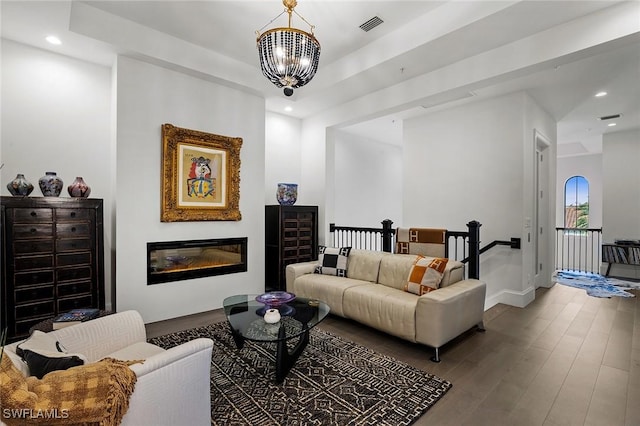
[(371, 24), (610, 117)]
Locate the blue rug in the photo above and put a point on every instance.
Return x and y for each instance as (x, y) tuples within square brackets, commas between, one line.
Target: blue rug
[(596, 285)]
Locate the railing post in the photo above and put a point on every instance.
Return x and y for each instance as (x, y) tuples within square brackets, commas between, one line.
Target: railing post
[(387, 233), (474, 249)]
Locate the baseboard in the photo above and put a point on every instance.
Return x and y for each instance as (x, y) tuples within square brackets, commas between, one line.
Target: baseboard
[(511, 298)]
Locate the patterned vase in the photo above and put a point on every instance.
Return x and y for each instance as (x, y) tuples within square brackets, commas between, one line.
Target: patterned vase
[(287, 193), (50, 184), (79, 188), (20, 187)]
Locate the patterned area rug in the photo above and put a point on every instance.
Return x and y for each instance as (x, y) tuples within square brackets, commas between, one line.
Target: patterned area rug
[(596, 285), (334, 382)]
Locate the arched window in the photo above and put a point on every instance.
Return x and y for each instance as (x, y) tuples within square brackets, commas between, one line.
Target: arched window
[(576, 203)]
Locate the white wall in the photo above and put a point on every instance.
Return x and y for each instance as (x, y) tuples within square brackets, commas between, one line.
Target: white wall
[(282, 155), (470, 163), (56, 116), (621, 192), (368, 181), (147, 97)]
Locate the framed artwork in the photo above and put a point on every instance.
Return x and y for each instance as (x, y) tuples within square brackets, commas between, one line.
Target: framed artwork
[(200, 176)]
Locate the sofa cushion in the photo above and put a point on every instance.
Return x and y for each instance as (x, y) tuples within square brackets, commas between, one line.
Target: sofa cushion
[(332, 261), (394, 270), (365, 264), (327, 288), (453, 273), (137, 351), (425, 275), (384, 308)]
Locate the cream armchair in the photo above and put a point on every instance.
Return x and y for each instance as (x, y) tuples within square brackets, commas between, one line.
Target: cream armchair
[(172, 385)]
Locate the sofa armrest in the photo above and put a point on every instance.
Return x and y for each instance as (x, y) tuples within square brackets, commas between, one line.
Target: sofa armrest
[(99, 337), (295, 270), (173, 387), (447, 312)]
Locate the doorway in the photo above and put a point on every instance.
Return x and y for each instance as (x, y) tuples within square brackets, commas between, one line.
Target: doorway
[(541, 210)]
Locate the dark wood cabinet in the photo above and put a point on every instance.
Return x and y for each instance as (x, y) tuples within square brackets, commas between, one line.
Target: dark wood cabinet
[(52, 259), (291, 236)]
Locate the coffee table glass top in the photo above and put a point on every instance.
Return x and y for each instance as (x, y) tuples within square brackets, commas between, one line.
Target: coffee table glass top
[(245, 315)]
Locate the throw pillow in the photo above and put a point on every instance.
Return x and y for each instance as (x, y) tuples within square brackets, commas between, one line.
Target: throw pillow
[(425, 275), (332, 261), (44, 354)]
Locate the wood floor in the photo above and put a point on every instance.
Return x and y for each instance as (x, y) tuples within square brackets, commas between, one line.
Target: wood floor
[(566, 359)]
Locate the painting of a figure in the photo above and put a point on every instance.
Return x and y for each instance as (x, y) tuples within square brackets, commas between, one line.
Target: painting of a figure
[(201, 184), (200, 175), (201, 170)]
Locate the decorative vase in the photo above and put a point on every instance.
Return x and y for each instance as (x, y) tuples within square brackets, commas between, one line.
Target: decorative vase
[(79, 189), (271, 316), (20, 187), (287, 194), (50, 184)]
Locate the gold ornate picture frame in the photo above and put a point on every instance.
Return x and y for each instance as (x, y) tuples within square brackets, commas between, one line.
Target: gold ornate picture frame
[(200, 176)]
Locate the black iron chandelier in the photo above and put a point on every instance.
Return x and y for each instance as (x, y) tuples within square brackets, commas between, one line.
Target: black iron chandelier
[(288, 56)]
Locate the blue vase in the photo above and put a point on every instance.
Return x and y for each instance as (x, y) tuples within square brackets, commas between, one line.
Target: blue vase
[(287, 194), (20, 187), (50, 184)]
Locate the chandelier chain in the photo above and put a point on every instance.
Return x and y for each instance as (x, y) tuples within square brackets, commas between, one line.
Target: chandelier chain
[(270, 22), (307, 22)]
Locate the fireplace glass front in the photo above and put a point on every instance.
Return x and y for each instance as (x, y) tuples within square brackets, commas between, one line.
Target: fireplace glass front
[(184, 260)]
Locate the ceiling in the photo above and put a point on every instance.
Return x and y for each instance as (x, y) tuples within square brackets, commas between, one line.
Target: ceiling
[(398, 65)]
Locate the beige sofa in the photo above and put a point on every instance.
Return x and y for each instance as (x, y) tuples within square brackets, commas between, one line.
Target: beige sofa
[(172, 386), (373, 294)]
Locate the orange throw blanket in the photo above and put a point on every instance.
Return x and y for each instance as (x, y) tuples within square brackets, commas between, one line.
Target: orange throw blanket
[(91, 394)]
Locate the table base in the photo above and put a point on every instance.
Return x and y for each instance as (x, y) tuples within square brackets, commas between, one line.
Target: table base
[(285, 360)]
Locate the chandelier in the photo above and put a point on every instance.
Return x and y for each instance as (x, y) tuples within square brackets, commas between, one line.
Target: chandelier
[(288, 56)]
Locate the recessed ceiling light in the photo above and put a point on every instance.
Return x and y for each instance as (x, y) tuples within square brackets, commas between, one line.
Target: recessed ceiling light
[(53, 40), (601, 94), (288, 109), (611, 124)]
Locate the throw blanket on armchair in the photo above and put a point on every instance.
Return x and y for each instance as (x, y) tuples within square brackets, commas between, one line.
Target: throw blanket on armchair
[(91, 394)]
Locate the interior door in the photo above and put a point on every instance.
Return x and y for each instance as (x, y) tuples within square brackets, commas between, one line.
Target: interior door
[(541, 234)]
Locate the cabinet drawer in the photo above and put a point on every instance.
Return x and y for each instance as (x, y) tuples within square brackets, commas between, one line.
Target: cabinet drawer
[(290, 224), (73, 229), (33, 246), (306, 251), (32, 215), (35, 310), (70, 274), (33, 294), (33, 262), (74, 303), (33, 278), (36, 230), (71, 259), (71, 244), (79, 288), (74, 214)]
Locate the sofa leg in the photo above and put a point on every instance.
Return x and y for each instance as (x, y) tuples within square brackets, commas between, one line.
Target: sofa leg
[(436, 355), (480, 326)]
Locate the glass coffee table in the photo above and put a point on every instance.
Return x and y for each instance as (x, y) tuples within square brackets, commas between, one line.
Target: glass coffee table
[(245, 316)]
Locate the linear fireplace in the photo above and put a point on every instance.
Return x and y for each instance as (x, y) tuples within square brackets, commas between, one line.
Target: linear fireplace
[(184, 260)]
